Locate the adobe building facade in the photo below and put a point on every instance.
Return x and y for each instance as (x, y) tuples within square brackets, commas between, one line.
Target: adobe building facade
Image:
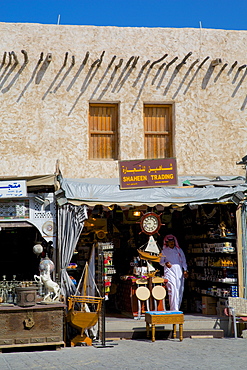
[(50, 74)]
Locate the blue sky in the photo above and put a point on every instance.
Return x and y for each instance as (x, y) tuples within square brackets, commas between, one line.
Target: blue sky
[(218, 14)]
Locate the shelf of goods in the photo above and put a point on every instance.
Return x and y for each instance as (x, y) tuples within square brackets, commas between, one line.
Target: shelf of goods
[(108, 267), (213, 269)]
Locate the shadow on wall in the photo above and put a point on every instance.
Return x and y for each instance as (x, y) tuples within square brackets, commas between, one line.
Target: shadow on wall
[(43, 68), (49, 90), (120, 74), (103, 77)]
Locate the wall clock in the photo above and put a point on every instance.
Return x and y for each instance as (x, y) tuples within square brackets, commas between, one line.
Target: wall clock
[(150, 223)]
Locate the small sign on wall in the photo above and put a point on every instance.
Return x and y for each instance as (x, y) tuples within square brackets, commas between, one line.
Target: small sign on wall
[(13, 189), (146, 173)]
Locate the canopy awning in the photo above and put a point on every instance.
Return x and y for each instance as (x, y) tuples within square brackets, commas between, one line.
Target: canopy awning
[(95, 191), (36, 181)]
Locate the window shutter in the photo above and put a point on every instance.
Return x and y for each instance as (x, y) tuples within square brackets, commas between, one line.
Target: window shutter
[(103, 131), (157, 131)]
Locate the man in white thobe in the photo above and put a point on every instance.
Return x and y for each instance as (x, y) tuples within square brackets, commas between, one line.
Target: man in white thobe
[(175, 270)]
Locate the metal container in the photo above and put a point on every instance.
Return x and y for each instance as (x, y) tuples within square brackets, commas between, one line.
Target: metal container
[(26, 296)]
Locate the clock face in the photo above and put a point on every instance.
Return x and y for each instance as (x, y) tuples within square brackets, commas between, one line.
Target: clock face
[(150, 223)]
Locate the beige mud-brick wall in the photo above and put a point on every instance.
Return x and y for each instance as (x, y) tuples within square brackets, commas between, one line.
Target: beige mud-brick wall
[(44, 106)]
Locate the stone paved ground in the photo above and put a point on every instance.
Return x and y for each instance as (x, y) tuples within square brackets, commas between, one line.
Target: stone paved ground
[(137, 354)]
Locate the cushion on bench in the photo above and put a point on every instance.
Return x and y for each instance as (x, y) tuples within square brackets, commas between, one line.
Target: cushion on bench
[(164, 312)]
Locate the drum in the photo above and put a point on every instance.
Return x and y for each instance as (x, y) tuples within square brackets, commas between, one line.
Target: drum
[(142, 293), (159, 292)]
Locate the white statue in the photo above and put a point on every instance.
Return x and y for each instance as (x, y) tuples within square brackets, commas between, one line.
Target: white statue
[(50, 285)]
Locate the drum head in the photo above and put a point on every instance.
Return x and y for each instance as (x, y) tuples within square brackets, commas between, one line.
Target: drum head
[(142, 293), (159, 292)]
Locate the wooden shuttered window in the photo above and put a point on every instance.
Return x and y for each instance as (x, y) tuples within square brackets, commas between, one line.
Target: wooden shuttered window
[(158, 131), (103, 131)]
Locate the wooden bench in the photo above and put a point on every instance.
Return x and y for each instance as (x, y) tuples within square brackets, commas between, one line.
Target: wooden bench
[(164, 317)]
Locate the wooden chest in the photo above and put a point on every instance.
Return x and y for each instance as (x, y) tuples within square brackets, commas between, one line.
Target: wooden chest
[(39, 325)]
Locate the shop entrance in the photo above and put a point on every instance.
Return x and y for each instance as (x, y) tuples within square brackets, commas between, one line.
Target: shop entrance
[(206, 233)]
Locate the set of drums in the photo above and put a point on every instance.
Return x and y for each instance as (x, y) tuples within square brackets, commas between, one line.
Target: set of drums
[(158, 292)]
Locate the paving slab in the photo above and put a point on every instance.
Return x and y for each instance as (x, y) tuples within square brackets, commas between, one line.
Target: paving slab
[(190, 354)]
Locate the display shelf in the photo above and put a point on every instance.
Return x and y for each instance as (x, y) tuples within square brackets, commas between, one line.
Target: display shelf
[(214, 290), (210, 234), (106, 250), (197, 238), (223, 267), (215, 281), (199, 294), (213, 268), (220, 253), (216, 267)]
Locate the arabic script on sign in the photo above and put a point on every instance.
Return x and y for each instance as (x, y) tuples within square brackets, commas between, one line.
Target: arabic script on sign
[(13, 189), (143, 173)]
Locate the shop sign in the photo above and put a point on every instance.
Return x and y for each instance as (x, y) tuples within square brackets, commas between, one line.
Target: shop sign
[(13, 189), (146, 173)]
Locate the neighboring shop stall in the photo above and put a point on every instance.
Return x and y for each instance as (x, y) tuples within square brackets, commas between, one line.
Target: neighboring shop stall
[(27, 218), (206, 215), (28, 246)]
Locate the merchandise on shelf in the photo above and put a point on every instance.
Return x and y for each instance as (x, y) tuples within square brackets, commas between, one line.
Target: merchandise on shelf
[(213, 262), (108, 269)]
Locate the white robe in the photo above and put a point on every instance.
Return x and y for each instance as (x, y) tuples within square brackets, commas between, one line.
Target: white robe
[(174, 275)]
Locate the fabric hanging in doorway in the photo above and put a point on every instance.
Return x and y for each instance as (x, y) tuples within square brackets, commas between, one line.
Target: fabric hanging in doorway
[(70, 224), (244, 245)]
